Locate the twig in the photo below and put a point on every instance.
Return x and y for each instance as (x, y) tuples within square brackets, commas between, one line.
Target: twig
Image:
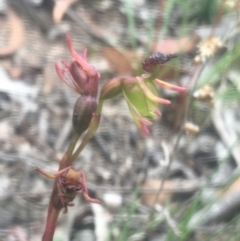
[(172, 155), (166, 151), (159, 20), (228, 137), (87, 27), (218, 18), (171, 223)]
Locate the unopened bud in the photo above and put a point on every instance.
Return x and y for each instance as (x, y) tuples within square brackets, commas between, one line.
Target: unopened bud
[(82, 114), (112, 88)]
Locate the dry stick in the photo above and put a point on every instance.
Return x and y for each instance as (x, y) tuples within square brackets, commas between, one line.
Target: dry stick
[(88, 26), (171, 223), (227, 136), (194, 79), (218, 18), (161, 6)]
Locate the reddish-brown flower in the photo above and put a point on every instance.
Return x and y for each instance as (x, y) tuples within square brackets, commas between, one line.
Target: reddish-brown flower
[(78, 74), (69, 183)]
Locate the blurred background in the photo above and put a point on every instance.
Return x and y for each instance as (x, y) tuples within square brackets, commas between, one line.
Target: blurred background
[(179, 183)]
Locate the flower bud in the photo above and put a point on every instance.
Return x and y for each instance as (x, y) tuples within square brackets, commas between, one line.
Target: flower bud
[(82, 114), (112, 88)]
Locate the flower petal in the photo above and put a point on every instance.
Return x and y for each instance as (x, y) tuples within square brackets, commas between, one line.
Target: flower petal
[(149, 94), (46, 174), (111, 89), (143, 128), (66, 77), (158, 113), (89, 199), (84, 54), (169, 86), (80, 59), (141, 122)]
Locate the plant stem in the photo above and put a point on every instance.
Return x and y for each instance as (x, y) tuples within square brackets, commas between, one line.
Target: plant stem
[(68, 153), (53, 212), (90, 132), (51, 223)]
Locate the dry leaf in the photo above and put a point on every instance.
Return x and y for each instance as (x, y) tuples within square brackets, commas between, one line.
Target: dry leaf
[(92, 27), (17, 34), (184, 45), (191, 128), (234, 187), (224, 208), (48, 79), (119, 61), (60, 7), (149, 198), (170, 188)]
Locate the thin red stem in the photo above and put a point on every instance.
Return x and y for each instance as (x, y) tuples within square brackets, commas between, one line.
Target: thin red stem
[(53, 213), (51, 223)]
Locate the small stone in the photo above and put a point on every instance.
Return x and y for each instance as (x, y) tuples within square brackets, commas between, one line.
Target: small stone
[(112, 200)]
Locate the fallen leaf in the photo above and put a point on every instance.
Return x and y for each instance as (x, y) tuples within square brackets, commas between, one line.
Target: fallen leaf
[(16, 36), (120, 62), (150, 189), (59, 9), (172, 45), (234, 187), (191, 128), (48, 79), (224, 208), (150, 198)]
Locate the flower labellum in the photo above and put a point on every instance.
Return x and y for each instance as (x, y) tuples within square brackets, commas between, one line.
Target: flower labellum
[(156, 59), (69, 183)]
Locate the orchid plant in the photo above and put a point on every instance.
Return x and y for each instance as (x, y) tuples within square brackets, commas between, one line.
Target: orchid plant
[(141, 95)]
